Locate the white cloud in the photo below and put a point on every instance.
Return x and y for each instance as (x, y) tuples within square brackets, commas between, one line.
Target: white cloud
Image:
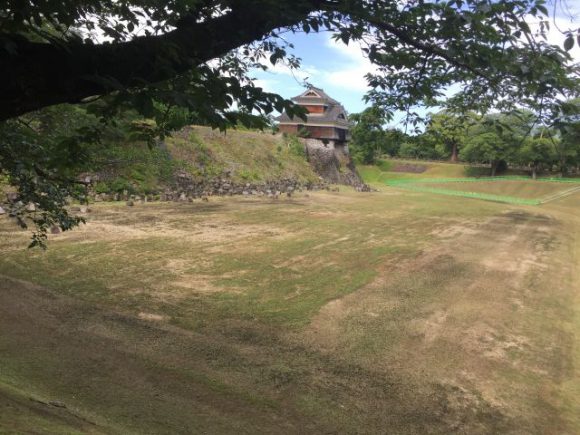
[(352, 67), (352, 79), (300, 74), (346, 68), (268, 85)]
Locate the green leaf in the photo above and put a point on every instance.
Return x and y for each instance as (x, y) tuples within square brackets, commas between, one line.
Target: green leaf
[(524, 27), (543, 9), (569, 42), (315, 25)]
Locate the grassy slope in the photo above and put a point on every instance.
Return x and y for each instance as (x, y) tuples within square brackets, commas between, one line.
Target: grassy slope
[(330, 313), (523, 189), (378, 174), (249, 155)]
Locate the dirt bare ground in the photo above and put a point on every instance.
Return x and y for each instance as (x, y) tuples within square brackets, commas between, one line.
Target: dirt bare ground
[(511, 243), (409, 168), (480, 320)]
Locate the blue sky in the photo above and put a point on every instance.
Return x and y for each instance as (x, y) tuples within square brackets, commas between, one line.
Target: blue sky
[(337, 68), (331, 65), (340, 69)]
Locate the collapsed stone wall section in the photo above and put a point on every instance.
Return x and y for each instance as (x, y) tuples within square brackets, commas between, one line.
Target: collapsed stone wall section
[(333, 163)]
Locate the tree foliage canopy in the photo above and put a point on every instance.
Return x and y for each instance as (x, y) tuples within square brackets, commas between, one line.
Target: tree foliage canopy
[(450, 131), (67, 51), (368, 135)]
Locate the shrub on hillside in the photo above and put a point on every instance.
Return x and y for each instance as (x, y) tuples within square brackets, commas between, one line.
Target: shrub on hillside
[(476, 171), (384, 165), (419, 150), (296, 147)]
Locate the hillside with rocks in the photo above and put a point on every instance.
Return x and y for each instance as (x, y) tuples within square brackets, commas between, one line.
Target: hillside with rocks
[(198, 162)]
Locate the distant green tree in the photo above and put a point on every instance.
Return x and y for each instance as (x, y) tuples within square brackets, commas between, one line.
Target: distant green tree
[(368, 135), (497, 139), (420, 147), (409, 150), (485, 147), (538, 152), (449, 131), (392, 141), (568, 125)]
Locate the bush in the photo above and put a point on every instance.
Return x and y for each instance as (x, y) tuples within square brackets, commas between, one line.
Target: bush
[(296, 147), (384, 165), (248, 175), (303, 132), (476, 171), (119, 185)]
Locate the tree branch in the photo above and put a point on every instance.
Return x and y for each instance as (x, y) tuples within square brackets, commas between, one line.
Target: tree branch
[(41, 74), (405, 37), (425, 48)]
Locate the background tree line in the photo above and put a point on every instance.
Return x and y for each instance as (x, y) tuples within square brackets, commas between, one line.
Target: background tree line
[(499, 140)]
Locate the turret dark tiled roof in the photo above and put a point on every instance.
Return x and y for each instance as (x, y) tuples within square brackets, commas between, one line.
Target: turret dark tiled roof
[(334, 112), (314, 96)]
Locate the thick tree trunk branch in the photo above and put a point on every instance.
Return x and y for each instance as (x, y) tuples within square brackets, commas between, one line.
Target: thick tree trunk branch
[(40, 75)]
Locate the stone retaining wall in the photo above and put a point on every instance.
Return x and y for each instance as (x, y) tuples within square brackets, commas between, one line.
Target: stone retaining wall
[(187, 188)]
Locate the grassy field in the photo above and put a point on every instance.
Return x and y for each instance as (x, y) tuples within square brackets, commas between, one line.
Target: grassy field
[(389, 312), (508, 190), (384, 171), (523, 189), (389, 170), (451, 179)]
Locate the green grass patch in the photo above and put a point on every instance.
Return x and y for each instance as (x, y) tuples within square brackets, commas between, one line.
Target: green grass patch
[(473, 195), (507, 189), (480, 179)]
